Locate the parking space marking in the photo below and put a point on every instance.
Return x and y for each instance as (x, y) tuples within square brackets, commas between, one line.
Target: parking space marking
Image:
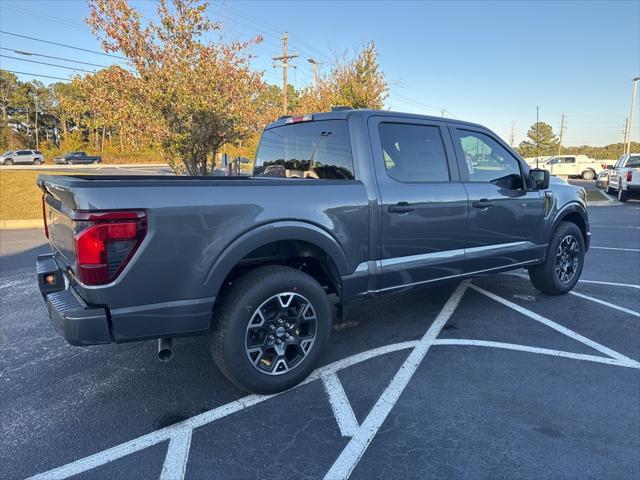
[(352, 453), (556, 326), (340, 405), (616, 248), (168, 433), (543, 351), (602, 302), (175, 462), (613, 284)]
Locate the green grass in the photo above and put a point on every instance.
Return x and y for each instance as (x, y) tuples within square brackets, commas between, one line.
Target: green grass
[(595, 196), (20, 197)]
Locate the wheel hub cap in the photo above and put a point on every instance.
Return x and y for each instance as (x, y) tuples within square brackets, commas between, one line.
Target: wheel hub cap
[(567, 259)]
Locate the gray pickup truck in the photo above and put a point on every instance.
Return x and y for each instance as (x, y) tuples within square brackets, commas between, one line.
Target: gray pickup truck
[(342, 206)]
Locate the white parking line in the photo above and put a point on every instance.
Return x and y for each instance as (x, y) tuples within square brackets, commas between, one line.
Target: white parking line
[(543, 351), (175, 462), (352, 453), (556, 326), (602, 302), (613, 284), (340, 405), (178, 429), (616, 248)]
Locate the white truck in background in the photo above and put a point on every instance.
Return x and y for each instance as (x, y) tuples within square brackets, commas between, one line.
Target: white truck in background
[(573, 166), (624, 177)]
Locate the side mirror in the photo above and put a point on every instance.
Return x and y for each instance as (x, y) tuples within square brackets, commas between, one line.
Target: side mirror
[(609, 167), (539, 178)]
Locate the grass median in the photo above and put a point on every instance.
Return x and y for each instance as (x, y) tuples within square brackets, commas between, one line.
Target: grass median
[(20, 197)]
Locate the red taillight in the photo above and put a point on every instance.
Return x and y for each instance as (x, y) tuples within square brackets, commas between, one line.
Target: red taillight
[(105, 242), (629, 175), (44, 217)]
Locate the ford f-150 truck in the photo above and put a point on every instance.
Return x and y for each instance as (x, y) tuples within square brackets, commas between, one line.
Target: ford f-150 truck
[(381, 202), (624, 177)]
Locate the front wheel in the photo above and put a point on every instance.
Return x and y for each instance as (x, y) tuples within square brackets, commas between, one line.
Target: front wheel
[(8, 161), (562, 268), (270, 328)]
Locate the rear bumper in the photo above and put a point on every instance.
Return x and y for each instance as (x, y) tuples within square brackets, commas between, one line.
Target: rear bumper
[(69, 314), (83, 324), (632, 187)]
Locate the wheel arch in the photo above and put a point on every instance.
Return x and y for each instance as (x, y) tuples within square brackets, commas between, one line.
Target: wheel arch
[(573, 213), (274, 243)]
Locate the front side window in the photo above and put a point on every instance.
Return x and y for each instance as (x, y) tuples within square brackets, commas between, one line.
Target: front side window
[(488, 161), (413, 153), (318, 150), (24, 152)]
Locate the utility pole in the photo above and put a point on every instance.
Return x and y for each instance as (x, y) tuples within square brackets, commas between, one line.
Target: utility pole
[(284, 64), (627, 147), (35, 103), (537, 135), (314, 63), (513, 134), (561, 132), (626, 125), (443, 113)]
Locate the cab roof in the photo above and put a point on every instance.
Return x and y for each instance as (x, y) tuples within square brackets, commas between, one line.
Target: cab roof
[(341, 113)]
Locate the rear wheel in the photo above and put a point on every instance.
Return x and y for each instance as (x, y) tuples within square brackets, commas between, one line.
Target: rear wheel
[(562, 268), (37, 161), (623, 196), (270, 328), (588, 175)]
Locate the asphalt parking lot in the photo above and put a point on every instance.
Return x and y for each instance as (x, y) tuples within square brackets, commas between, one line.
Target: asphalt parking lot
[(485, 379)]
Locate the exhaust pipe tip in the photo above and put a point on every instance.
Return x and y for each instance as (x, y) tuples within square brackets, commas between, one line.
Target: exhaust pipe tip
[(165, 351)]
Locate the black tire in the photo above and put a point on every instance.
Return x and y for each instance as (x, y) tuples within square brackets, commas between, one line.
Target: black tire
[(623, 195), (544, 276), (588, 175), (37, 161), (8, 161), (230, 331), (609, 189)]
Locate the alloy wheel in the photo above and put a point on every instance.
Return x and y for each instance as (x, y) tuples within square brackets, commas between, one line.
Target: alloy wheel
[(281, 333), (567, 259)]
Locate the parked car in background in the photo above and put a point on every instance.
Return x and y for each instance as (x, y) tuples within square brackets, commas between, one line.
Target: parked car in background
[(624, 177), (251, 261), (602, 180), (22, 157), (573, 166), (73, 158)]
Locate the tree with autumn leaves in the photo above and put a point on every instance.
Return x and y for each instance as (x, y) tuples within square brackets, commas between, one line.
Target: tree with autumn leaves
[(180, 94)]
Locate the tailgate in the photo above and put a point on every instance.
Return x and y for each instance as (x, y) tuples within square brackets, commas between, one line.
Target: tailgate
[(57, 217)]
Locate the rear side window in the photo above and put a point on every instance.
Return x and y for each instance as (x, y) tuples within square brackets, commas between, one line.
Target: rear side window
[(313, 150), (634, 161), (413, 153)]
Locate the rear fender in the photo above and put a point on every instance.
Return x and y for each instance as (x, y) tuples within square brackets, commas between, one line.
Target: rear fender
[(268, 233)]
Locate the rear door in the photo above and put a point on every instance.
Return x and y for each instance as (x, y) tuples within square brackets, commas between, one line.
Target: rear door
[(423, 206), (505, 217)]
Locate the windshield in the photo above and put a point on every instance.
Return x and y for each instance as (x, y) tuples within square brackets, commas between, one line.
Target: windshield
[(8, 152)]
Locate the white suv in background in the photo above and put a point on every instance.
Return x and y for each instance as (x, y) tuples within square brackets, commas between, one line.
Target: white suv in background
[(624, 178), (15, 157)]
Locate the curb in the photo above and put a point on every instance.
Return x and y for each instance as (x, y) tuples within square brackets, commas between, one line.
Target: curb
[(19, 224)]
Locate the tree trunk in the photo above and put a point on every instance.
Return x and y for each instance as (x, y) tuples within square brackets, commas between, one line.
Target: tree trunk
[(102, 146)]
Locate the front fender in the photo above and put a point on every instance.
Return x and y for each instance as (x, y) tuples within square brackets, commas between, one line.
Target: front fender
[(576, 212), (268, 233)]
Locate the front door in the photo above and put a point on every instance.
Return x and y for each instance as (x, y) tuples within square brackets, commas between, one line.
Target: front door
[(505, 216), (423, 206)]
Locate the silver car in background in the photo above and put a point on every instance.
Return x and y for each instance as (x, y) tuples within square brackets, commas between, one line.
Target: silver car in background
[(17, 157)]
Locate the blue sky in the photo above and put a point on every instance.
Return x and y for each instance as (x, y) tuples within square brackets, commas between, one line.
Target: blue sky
[(488, 62)]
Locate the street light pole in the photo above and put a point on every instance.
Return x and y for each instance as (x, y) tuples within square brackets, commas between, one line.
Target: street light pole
[(627, 147)]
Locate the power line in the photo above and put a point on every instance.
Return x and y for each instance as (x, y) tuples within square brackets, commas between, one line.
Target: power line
[(23, 52), (36, 75), (63, 45), (51, 18), (46, 63)]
